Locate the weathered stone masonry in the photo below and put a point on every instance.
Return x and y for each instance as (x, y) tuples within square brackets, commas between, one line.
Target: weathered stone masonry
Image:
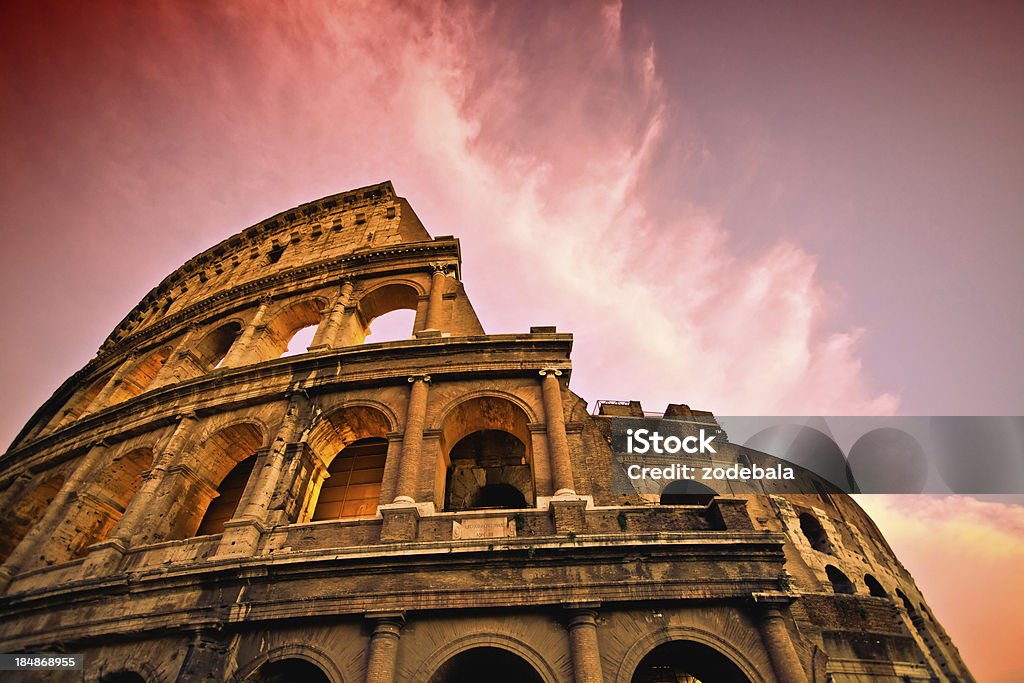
[(194, 505)]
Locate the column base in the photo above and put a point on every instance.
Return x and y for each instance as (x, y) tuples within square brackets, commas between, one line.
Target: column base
[(401, 519), (241, 538), (104, 558)]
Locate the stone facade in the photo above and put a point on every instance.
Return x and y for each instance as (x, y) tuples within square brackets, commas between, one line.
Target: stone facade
[(192, 505)]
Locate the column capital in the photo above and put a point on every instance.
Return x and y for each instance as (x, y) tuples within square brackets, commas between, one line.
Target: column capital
[(550, 371), (419, 378)]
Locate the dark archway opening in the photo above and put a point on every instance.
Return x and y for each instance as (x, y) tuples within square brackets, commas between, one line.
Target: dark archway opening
[(684, 661), (292, 670), (840, 582), (122, 677), (491, 664), (222, 508), (489, 469), (815, 533), (686, 492), (874, 587), (499, 496)]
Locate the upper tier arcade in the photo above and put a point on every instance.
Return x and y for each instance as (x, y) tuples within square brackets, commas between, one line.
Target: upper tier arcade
[(336, 263)]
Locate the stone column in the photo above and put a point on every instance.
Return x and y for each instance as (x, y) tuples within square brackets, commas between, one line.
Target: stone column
[(383, 649), (15, 490), (436, 300), (242, 533), (100, 402), (558, 442), (237, 351), (141, 504), (43, 529), (775, 636), (180, 354), (327, 334), (412, 442), (586, 656), (206, 657)]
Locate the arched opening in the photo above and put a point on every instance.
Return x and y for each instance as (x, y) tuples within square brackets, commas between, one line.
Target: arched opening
[(815, 533), (393, 326), (138, 379), (352, 443), (492, 664), (79, 405), (487, 444), (277, 337), (223, 463), (686, 492), (907, 605), (354, 479), (222, 508), (372, 313), (215, 345), (684, 661), (291, 670), (117, 486), (300, 341), (840, 582), (874, 587), (489, 469), (122, 677), (26, 513)]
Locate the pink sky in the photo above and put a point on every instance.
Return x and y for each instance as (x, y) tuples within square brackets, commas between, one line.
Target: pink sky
[(743, 209)]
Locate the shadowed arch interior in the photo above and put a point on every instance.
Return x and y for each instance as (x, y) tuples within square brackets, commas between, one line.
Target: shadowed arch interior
[(212, 349), (80, 404), (26, 513), (492, 664), (686, 492), (487, 443), (840, 582), (291, 670), (225, 459), (138, 379), (684, 661), (874, 587), (122, 677), (117, 485)]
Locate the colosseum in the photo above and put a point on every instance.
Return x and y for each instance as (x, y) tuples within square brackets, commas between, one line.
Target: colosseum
[(199, 503)]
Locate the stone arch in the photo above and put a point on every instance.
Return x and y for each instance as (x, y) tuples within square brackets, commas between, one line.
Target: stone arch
[(429, 667), (874, 587), (380, 300), (138, 379), (686, 660), (648, 643), (215, 344), (351, 441), (841, 583), (26, 513), (907, 604), (282, 326), (81, 403), (485, 440), (225, 456), (686, 492), (122, 676), (305, 653), (114, 489)]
